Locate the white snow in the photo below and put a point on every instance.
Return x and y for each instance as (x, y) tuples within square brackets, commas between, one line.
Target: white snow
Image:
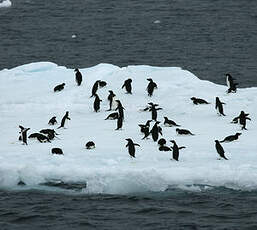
[(5, 3), (27, 99)]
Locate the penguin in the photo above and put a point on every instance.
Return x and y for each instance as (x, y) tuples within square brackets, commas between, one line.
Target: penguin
[(184, 132), (119, 122), (131, 147), (78, 76), (162, 142), (145, 109), (120, 109), (127, 85), (23, 133), (90, 145), (52, 121), (57, 151), (154, 110), (151, 86), (155, 131), (59, 87), (230, 83), (219, 107), (40, 137), (242, 119), (220, 149), (110, 98), (97, 103), (170, 123), (66, 117), (112, 116), (102, 84), (197, 101), (49, 132), (142, 126), (164, 148), (95, 88), (231, 138), (175, 150)]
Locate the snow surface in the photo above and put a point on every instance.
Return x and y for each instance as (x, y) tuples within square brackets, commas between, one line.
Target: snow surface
[(5, 3), (27, 99)]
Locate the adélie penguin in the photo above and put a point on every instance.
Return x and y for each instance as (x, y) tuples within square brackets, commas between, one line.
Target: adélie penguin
[(220, 149), (131, 147)]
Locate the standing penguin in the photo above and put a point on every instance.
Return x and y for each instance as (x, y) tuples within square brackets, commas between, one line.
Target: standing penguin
[(78, 77), (175, 150), (242, 119), (120, 109), (66, 117), (155, 131), (23, 133), (131, 147), (231, 84), (119, 122), (220, 149), (127, 85), (97, 103), (154, 110), (95, 88), (219, 107), (110, 98), (151, 86)]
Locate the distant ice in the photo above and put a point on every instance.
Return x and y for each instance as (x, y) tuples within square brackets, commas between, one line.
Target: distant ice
[(5, 3), (74, 36), (157, 22)]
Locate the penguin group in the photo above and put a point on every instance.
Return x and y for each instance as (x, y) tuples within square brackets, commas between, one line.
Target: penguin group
[(151, 128)]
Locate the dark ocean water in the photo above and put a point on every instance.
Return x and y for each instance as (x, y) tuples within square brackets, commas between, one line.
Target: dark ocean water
[(209, 38)]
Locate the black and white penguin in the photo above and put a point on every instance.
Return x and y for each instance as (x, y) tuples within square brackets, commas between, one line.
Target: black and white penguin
[(242, 119), (151, 86), (111, 99), (59, 87), (175, 150), (102, 84), (219, 106), (65, 117), (23, 133), (170, 123), (162, 142), (197, 101), (164, 148), (57, 151), (112, 116), (90, 145), (127, 85), (40, 137), (231, 84), (220, 149), (184, 132), (119, 122), (155, 131), (49, 132), (131, 147), (145, 129), (231, 138), (120, 109), (95, 88), (154, 110), (78, 77), (52, 121), (97, 103)]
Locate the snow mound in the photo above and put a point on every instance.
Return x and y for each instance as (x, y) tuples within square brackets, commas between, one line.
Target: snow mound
[(27, 99), (5, 3)]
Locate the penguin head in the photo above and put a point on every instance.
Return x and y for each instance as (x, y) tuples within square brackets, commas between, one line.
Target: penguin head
[(192, 98), (238, 134), (149, 79), (177, 129), (76, 70), (165, 118), (128, 139), (110, 91), (172, 141), (129, 80), (216, 141), (63, 84)]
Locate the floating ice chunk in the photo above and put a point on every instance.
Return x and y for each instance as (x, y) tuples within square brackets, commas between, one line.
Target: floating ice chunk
[(157, 22), (5, 3)]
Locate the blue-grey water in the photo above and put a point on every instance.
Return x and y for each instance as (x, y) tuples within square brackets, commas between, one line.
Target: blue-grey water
[(207, 37)]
